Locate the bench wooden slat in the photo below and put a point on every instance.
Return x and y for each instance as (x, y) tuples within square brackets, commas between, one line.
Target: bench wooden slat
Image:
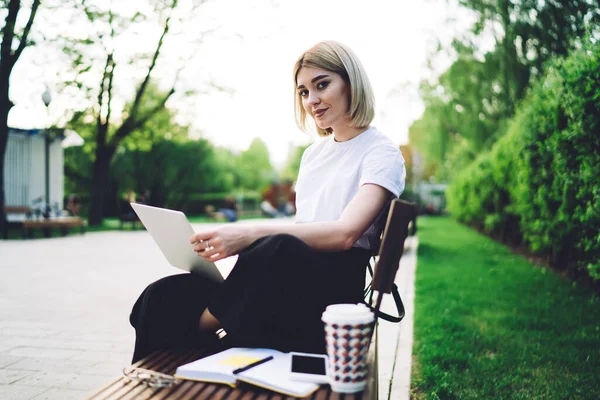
[(122, 386), (168, 367), (320, 395), (135, 389), (167, 362), (222, 393), (17, 209), (61, 222)]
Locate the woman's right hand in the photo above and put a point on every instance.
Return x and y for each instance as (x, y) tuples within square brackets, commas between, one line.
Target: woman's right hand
[(225, 241)]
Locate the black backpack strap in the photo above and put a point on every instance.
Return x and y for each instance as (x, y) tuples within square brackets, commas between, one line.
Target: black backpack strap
[(397, 300), (399, 307)]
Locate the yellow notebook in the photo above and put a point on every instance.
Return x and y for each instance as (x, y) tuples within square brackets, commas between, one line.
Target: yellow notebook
[(272, 375)]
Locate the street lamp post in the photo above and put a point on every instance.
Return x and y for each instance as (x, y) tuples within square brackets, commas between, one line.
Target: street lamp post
[(47, 98)]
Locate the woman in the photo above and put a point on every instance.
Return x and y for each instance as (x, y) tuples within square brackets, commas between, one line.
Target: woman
[(286, 275)]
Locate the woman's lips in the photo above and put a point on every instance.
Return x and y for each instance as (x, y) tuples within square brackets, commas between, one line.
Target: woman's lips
[(319, 113)]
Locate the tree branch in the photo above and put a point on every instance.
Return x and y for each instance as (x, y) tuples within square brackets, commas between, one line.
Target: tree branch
[(110, 88), (26, 30), (101, 138), (8, 34), (132, 124), (142, 88)]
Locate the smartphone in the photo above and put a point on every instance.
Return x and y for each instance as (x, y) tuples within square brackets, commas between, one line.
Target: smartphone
[(309, 367)]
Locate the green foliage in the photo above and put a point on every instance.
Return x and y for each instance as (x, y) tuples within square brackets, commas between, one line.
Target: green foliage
[(178, 172), (542, 180), (170, 170), (468, 107), (292, 165), (489, 325), (253, 167)]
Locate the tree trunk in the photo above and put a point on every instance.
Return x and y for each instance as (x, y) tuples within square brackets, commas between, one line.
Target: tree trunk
[(3, 142), (5, 106), (100, 181)]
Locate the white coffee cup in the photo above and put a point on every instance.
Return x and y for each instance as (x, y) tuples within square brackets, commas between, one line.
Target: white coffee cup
[(348, 330)]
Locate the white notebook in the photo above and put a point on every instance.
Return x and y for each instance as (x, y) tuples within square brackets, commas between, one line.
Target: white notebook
[(272, 375)]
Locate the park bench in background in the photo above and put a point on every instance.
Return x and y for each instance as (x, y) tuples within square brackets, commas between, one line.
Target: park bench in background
[(29, 224), (128, 216), (129, 219), (392, 246), (15, 216)]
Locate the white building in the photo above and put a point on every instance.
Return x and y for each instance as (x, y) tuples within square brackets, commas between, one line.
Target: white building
[(25, 168)]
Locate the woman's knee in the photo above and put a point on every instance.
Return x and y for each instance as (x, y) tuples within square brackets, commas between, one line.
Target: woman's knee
[(169, 293)]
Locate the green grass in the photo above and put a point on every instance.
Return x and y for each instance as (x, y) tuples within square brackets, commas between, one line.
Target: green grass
[(489, 325)]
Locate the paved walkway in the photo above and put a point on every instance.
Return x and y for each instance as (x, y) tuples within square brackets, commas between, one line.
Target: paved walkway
[(395, 340), (64, 305)]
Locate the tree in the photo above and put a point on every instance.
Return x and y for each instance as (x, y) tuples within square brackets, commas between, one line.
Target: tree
[(107, 140), (253, 166), (107, 26), (14, 41), (468, 107), (130, 166), (292, 164)]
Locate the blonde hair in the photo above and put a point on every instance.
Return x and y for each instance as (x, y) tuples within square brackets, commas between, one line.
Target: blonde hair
[(336, 57)]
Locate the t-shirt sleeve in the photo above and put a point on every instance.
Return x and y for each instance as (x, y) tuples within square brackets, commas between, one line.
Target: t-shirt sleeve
[(384, 166)]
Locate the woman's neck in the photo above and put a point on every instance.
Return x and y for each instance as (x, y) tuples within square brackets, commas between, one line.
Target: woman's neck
[(347, 133)]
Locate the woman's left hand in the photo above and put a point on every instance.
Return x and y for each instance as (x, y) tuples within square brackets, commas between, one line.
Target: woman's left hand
[(225, 241)]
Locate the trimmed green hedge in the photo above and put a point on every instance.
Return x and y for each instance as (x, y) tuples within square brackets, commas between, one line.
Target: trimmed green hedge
[(540, 183)]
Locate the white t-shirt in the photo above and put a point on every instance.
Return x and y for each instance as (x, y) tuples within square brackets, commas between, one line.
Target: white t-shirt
[(332, 172)]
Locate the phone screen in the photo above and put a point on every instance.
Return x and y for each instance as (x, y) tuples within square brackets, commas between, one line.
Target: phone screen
[(308, 364)]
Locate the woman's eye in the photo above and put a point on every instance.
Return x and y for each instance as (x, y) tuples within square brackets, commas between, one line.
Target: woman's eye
[(322, 84), (303, 93)]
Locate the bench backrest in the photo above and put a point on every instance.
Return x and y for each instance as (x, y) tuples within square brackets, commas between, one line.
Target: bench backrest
[(392, 245), (17, 209)]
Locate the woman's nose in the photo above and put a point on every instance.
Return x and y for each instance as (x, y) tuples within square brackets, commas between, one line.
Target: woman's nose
[(313, 98)]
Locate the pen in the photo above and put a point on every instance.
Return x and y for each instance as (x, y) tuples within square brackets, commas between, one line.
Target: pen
[(252, 365)]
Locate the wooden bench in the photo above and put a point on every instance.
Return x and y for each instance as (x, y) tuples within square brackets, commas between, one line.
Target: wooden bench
[(28, 224), (167, 362), (392, 247), (63, 224), (129, 219), (25, 211)]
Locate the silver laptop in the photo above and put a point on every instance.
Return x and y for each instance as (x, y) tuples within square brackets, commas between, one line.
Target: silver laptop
[(171, 231)]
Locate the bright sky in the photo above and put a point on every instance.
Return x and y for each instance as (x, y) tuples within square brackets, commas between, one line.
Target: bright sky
[(253, 53)]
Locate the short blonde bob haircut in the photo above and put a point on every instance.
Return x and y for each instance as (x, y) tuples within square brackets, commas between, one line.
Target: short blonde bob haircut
[(336, 57)]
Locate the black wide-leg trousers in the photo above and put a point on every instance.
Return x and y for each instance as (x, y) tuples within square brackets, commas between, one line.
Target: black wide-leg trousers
[(273, 297)]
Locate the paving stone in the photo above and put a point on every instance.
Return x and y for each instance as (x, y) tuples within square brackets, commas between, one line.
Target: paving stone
[(52, 365), (107, 336), (7, 344), (62, 394), (402, 372), (6, 360), (121, 358), (8, 376), (26, 332), (40, 352), (19, 392), (108, 368), (77, 344), (61, 380), (23, 324)]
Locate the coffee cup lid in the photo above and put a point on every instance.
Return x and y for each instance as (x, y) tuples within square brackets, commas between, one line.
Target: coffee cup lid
[(347, 313)]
